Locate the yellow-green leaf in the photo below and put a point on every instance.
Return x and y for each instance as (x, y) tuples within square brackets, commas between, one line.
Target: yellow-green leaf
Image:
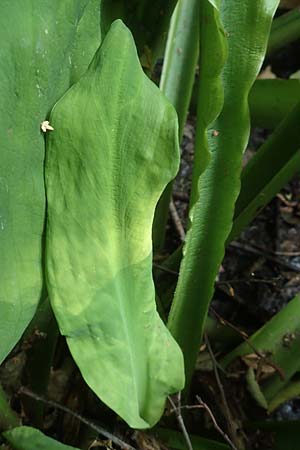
[(114, 149)]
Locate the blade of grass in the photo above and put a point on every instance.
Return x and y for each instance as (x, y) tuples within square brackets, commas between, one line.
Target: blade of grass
[(186, 311), (291, 391), (219, 183), (278, 344), (276, 162), (263, 177), (176, 83), (271, 100), (285, 29)]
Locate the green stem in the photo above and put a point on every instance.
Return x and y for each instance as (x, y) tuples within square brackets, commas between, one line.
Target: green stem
[(285, 29), (189, 308), (176, 83), (226, 129)]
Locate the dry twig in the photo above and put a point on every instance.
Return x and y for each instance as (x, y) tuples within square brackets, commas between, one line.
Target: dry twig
[(203, 405), (266, 254), (177, 411), (245, 337), (232, 429), (97, 428), (177, 221)]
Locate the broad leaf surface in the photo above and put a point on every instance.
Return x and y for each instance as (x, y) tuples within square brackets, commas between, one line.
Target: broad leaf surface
[(45, 46), (28, 438), (114, 148)]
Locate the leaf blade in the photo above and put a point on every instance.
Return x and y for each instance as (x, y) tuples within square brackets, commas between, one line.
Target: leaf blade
[(105, 172), (28, 438), (219, 182), (34, 73)]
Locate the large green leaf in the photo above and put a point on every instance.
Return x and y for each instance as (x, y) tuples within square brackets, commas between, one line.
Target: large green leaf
[(28, 438), (45, 45), (114, 148), (247, 26)]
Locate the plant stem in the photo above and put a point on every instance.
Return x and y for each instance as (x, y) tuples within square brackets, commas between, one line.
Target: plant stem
[(190, 304), (176, 83)]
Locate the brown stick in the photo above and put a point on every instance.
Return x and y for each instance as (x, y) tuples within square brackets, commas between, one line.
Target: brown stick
[(230, 422), (177, 221), (177, 410), (23, 390), (203, 405)]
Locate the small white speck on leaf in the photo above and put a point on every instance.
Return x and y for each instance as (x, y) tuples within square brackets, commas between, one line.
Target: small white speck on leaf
[(45, 126)]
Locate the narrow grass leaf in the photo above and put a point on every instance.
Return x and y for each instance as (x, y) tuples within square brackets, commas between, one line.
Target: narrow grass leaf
[(247, 25)]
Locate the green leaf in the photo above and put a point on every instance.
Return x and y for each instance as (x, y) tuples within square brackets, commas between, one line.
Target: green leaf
[(28, 438), (285, 29), (185, 306), (268, 171), (37, 50), (279, 340), (177, 79), (271, 100), (254, 388), (286, 432), (291, 391), (114, 148), (247, 25), (213, 54)]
